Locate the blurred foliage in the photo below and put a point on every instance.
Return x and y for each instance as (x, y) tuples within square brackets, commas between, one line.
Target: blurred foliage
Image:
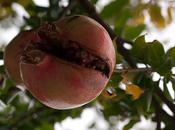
[(142, 96)]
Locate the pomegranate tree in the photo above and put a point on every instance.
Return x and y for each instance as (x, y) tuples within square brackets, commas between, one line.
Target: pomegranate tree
[(64, 64)]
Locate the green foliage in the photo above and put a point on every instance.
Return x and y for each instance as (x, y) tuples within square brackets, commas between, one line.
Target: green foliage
[(20, 110), (171, 55), (114, 8)]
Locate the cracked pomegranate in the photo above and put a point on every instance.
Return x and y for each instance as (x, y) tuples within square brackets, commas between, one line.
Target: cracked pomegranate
[(64, 64)]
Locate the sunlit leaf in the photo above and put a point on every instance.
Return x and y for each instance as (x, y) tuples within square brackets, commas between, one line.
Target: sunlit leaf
[(130, 124), (45, 126), (113, 8), (5, 12), (169, 15), (108, 94), (134, 90), (24, 3), (131, 32), (156, 16), (121, 22)]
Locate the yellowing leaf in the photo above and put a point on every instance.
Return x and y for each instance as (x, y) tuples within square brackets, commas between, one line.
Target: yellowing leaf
[(24, 2), (156, 16), (133, 90), (169, 15), (5, 12), (108, 94)]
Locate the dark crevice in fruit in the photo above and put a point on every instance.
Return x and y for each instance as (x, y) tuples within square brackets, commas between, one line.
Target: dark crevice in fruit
[(66, 50), (32, 56)]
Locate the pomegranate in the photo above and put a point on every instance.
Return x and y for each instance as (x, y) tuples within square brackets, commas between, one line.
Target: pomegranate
[(64, 64), (13, 53)]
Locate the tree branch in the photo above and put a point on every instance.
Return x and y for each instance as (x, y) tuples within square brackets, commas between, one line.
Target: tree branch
[(160, 114), (123, 51), (165, 100), (158, 117), (131, 70)]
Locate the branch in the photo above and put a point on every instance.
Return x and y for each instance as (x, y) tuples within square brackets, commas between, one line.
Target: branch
[(162, 113), (130, 70), (165, 100), (123, 51), (158, 117)]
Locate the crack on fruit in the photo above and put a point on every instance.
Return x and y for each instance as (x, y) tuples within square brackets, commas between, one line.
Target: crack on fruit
[(32, 55), (67, 50)]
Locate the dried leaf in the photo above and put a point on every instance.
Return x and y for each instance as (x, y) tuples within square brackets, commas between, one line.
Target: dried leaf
[(108, 94)]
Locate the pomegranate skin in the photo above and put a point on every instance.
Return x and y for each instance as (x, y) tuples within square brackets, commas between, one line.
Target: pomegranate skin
[(13, 53), (61, 85), (55, 82)]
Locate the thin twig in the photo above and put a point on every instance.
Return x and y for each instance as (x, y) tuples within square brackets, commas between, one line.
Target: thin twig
[(158, 118), (131, 70)]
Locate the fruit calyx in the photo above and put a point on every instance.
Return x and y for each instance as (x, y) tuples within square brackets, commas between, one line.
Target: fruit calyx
[(64, 49)]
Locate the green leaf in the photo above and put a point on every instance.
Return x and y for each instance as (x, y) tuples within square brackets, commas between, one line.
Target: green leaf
[(115, 80), (121, 22), (131, 32), (24, 3), (151, 53), (113, 8), (45, 126), (139, 48), (130, 124), (94, 1), (155, 54), (33, 21), (171, 54)]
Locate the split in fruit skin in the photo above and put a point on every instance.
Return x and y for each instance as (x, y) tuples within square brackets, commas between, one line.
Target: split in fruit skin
[(63, 49), (32, 59)]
